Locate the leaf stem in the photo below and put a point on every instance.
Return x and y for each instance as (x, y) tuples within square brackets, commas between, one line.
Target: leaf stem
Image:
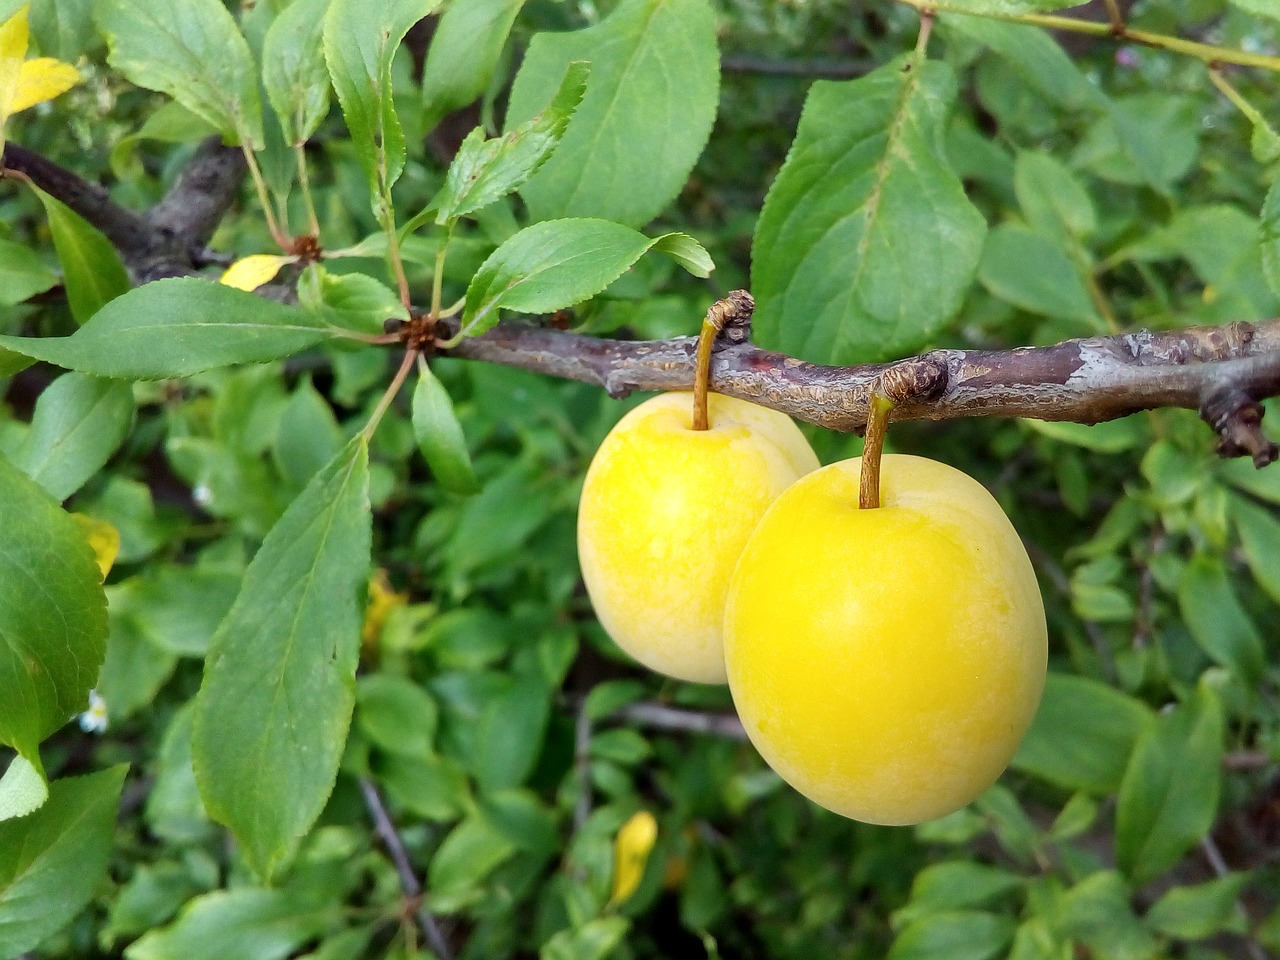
[(397, 382), (264, 198), (1201, 51), (437, 279), (877, 425), (304, 183), (388, 218), (1225, 87)]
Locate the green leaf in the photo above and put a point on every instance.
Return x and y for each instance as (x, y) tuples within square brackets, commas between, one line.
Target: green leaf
[(174, 810), (360, 41), (307, 436), (551, 265), (1260, 537), (646, 116), (953, 935), (1030, 51), (1260, 8), (22, 273), (53, 615), (471, 851), (1034, 273), (79, 423), (594, 940), (1111, 436), (1097, 913), (353, 301), (91, 269), (180, 607), (193, 51), (293, 69), (247, 923), (511, 732), (866, 244), (1083, 734), (464, 54), (1192, 913), (487, 170), (439, 435), (1052, 199), (1157, 136), (956, 885), (396, 714), (52, 861), (1217, 620), (134, 669), (279, 685), (174, 328), (1270, 237), (23, 789), (1169, 796)]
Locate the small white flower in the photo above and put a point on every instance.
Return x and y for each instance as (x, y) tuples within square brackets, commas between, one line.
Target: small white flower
[(202, 494), (94, 720)]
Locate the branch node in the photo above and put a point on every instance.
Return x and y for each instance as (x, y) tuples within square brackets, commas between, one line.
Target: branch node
[(732, 318), (915, 380), (1237, 418)]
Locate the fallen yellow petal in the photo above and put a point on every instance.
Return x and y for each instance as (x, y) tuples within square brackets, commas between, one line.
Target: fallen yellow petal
[(631, 850), (102, 537), (42, 79), (382, 600), (253, 271)]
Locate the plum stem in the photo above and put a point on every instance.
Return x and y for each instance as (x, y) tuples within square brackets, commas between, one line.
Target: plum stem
[(734, 312), (877, 425), (711, 326)]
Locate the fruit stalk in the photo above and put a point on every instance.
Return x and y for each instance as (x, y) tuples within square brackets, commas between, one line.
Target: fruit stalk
[(734, 309), (877, 425), (702, 372)]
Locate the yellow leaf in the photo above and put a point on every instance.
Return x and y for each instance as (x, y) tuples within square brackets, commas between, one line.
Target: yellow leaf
[(252, 272), (631, 850), (43, 79), (382, 600), (13, 49), (102, 537)]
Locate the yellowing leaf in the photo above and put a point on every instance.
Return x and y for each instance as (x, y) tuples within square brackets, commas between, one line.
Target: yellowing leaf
[(103, 538), (14, 36), (42, 79), (631, 850), (382, 600), (249, 273), (13, 48)]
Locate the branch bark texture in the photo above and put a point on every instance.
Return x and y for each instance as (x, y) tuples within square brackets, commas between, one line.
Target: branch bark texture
[(1087, 380)]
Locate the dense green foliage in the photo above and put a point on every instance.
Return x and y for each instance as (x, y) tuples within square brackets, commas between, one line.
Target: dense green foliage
[(319, 596)]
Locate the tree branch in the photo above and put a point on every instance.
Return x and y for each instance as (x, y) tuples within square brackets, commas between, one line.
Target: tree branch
[(128, 232), (1087, 380), (186, 218), (167, 241)]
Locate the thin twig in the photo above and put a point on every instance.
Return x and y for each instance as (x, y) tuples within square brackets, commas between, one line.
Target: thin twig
[(659, 717), (390, 838), (1205, 52), (582, 765), (1213, 855)]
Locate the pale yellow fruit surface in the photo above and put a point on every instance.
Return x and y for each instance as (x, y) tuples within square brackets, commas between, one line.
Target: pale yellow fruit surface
[(664, 514), (886, 663)]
